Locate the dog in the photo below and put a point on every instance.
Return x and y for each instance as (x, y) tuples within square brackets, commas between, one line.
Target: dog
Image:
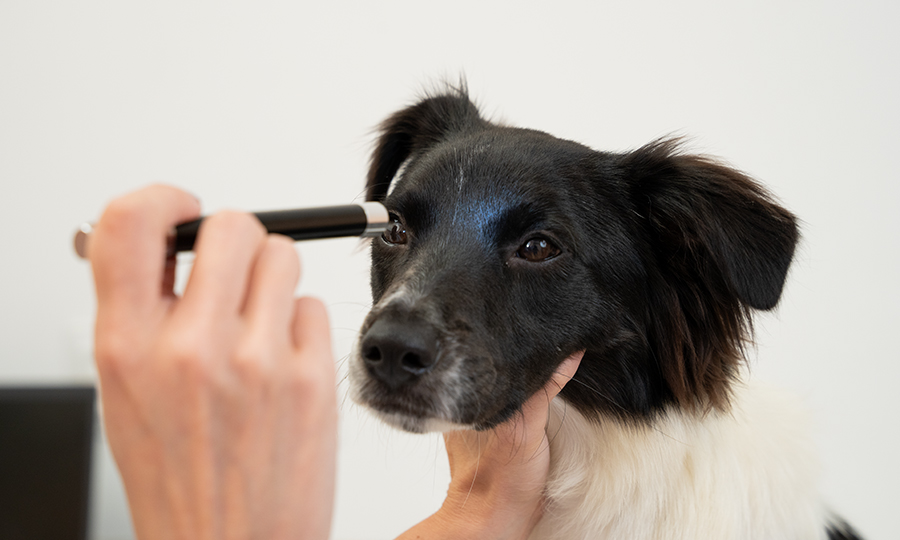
[(510, 249)]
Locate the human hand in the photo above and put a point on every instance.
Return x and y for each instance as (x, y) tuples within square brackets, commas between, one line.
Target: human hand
[(219, 406), (498, 476)]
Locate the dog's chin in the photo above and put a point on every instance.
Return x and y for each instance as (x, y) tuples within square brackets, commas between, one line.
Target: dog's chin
[(416, 424), (407, 418)]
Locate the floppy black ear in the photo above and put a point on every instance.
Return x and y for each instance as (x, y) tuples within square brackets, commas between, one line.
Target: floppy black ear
[(713, 224), (414, 129), (716, 245)]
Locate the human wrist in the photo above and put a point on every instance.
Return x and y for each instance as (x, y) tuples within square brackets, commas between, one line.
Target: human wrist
[(492, 512)]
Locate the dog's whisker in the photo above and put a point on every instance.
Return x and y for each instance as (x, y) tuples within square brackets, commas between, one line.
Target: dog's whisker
[(342, 329), (475, 475), (562, 421), (539, 448), (363, 305), (360, 196), (344, 402), (596, 391)]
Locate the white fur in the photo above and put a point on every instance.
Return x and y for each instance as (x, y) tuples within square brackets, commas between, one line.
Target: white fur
[(403, 292), (742, 475)]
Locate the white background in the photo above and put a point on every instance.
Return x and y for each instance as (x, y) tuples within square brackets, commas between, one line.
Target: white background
[(263, 105)]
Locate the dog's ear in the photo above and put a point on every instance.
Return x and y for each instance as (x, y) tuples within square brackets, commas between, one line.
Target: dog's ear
[(712, 223), (718, 245), (414, 129)]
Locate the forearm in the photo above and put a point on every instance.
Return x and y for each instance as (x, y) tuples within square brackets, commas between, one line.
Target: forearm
[(459, 518)]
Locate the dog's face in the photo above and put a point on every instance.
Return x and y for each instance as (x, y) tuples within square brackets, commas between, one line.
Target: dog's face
[(478, 284), (510, 250)]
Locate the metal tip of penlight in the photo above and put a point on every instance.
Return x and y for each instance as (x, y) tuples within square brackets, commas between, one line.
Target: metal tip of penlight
[(81, 239)]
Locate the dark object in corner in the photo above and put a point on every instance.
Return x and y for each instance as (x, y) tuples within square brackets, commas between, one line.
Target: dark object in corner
[(46, 437)]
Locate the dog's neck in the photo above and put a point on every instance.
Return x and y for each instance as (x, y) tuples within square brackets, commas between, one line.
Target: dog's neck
[(619, 478)]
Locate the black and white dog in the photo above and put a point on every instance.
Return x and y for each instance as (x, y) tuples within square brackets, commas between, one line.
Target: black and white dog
[(511, 249)]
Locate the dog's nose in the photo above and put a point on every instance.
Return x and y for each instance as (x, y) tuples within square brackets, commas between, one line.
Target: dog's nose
[(399, 351)]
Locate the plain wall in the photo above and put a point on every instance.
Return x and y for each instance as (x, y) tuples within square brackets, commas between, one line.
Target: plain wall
[(263, 105)]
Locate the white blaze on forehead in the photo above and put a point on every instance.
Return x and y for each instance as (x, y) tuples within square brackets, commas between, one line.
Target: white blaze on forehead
[(401, 170), (460, 182)]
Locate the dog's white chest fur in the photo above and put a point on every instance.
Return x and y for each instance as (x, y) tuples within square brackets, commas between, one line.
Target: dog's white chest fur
[(742, 475)]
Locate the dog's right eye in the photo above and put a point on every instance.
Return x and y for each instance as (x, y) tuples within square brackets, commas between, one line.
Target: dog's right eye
[(396, 232), (537, 250)]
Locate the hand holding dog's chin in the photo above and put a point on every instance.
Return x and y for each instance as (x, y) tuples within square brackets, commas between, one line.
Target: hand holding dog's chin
[(498, 476), (219, 406)]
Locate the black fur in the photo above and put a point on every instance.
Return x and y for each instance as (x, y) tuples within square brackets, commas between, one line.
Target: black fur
[(840, 530), (663, 256), (654, 263)]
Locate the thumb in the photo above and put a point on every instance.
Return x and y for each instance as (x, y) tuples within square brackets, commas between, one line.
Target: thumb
[(563, 374), (536, 406)]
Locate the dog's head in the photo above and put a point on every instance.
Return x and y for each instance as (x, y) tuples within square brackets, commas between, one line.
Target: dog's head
[(511, 249)]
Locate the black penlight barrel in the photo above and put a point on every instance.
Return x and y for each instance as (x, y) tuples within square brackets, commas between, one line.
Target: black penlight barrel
[(298, 224), (365, 219)]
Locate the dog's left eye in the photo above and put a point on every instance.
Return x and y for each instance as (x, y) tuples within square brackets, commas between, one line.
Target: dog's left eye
[(537, 250)]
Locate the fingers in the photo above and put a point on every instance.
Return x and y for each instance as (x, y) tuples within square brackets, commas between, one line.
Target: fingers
[(227, 246), (311, 330), (312, 368), (128, 245), (269, 307)]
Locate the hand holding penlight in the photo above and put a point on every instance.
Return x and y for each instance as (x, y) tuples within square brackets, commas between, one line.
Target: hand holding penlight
[(364, 220)]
